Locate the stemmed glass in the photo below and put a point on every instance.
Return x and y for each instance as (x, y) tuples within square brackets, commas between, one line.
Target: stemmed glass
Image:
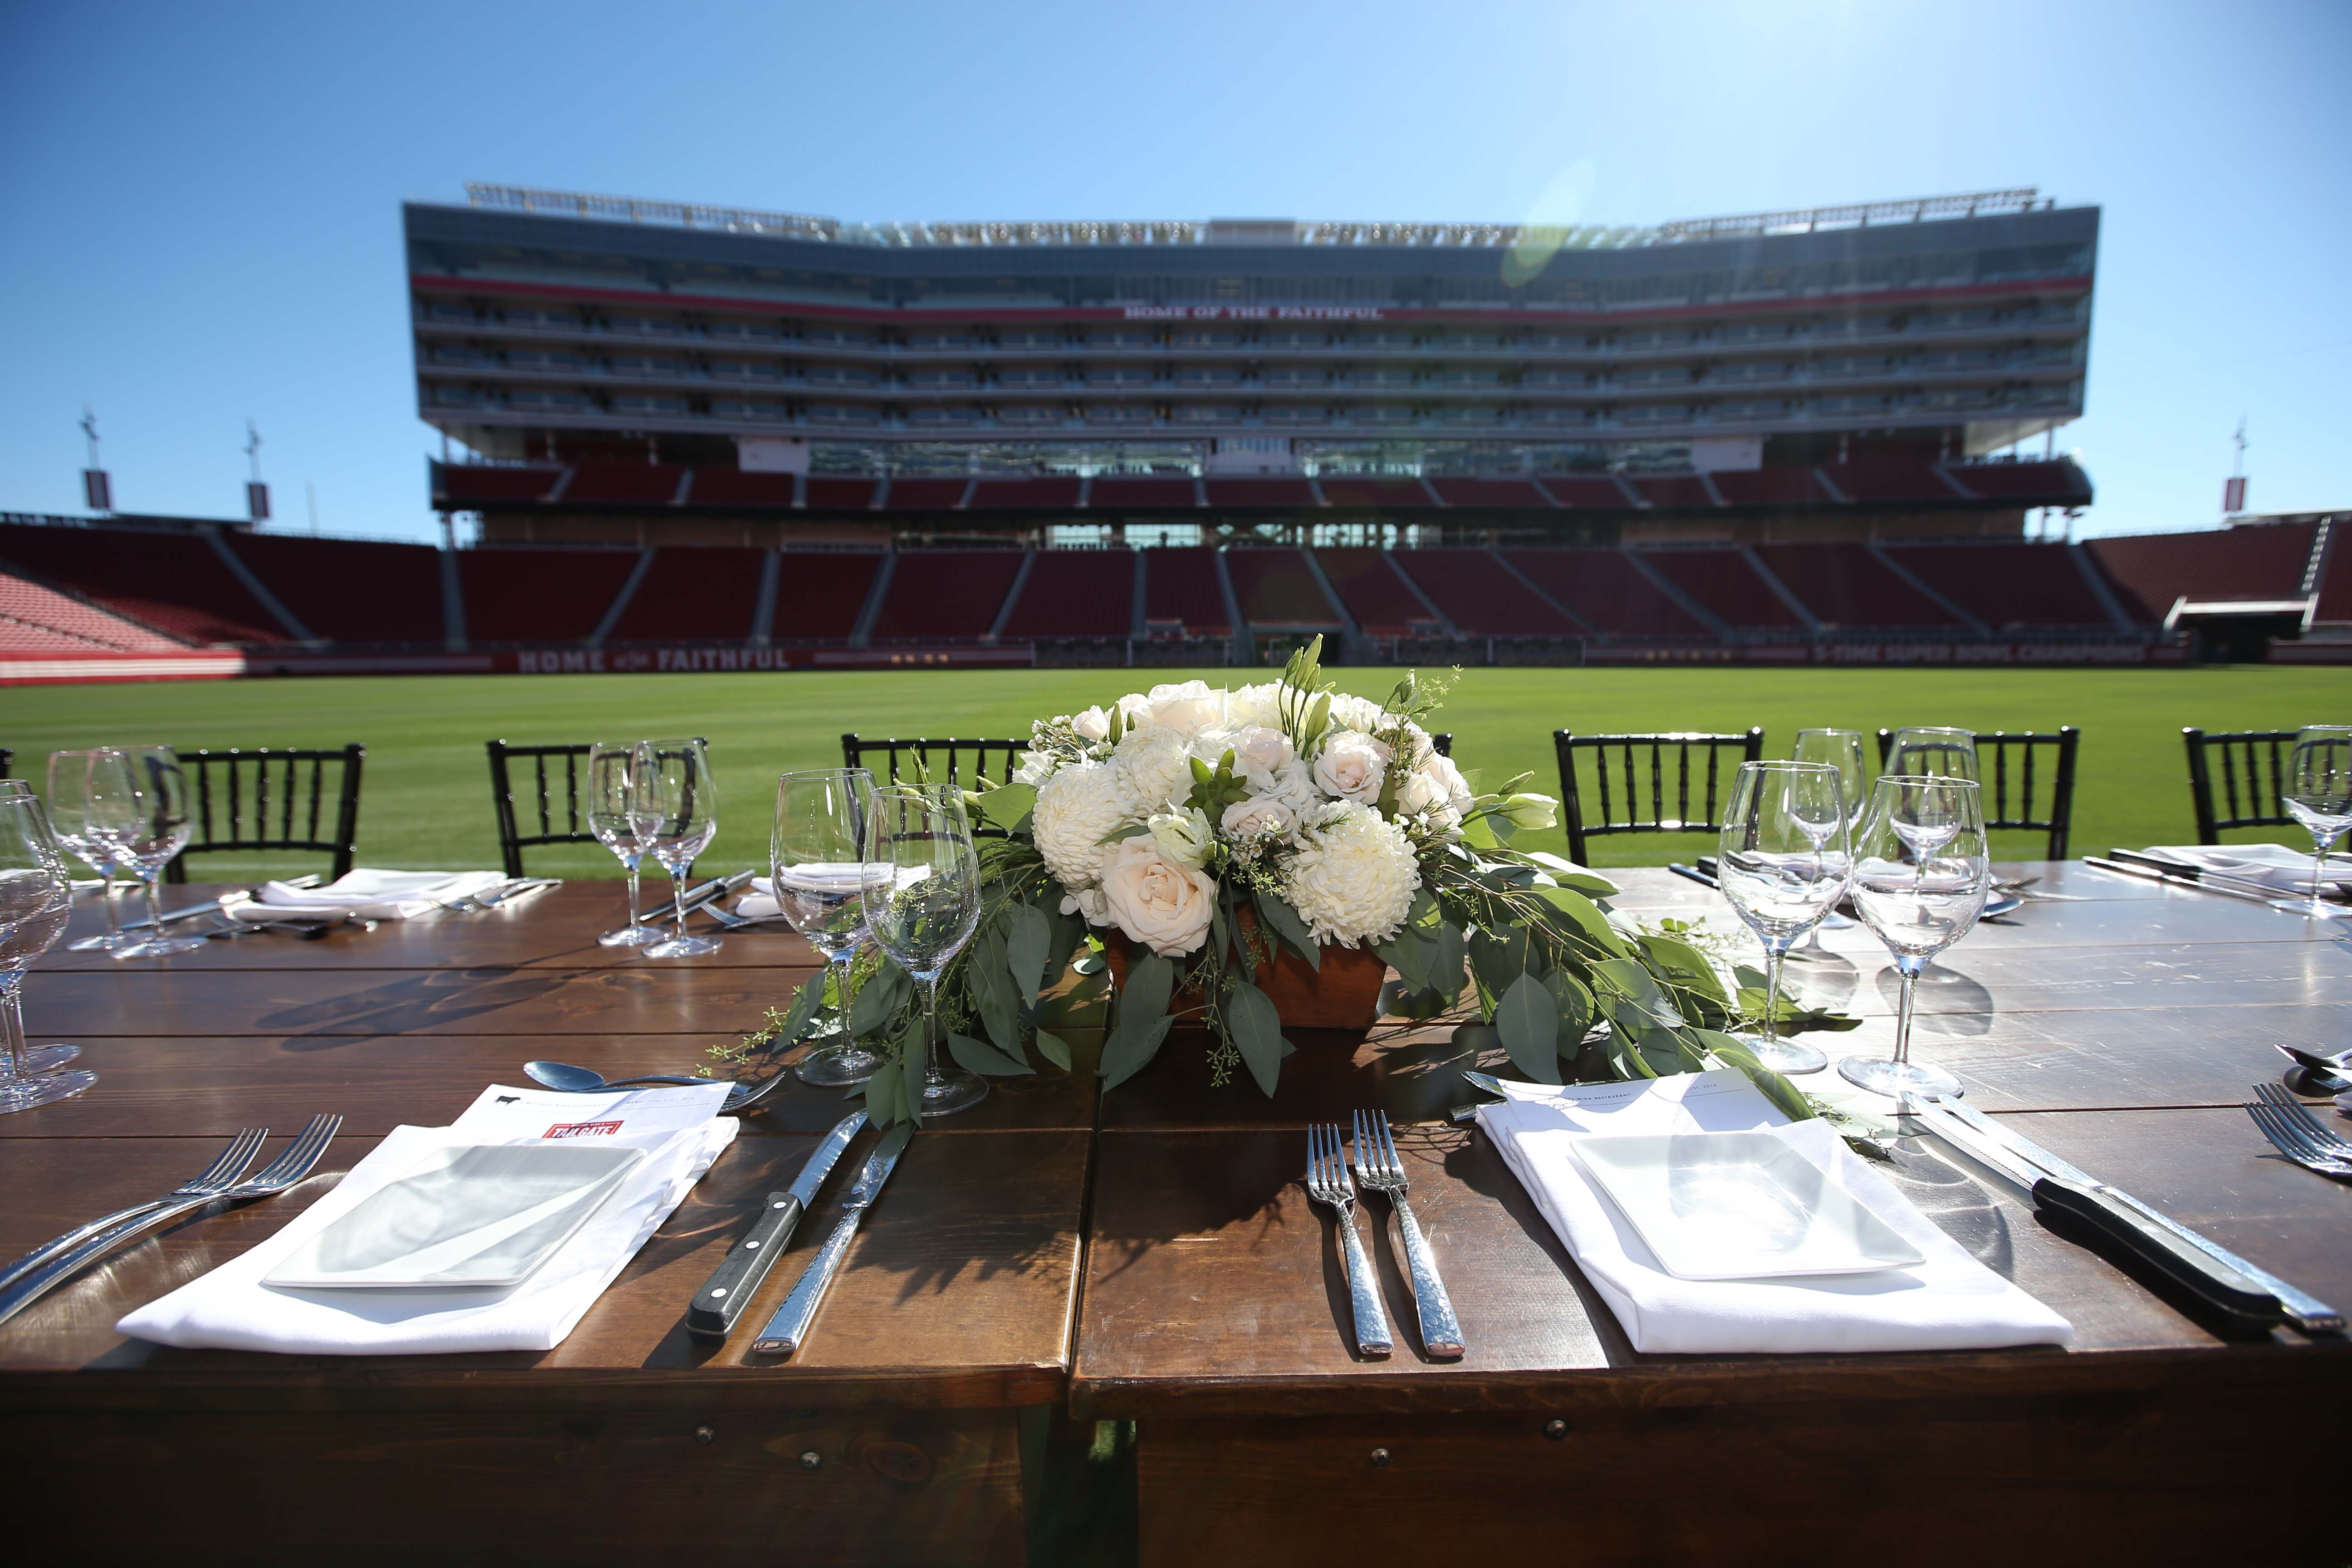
[(674, 807), (1921, 872), (137, 810), (1782, 859), (36, 901), (68, 806), (1842, 750), (817, 864), (922, 904), (612, 817), (2318, 794), (1933, 751)]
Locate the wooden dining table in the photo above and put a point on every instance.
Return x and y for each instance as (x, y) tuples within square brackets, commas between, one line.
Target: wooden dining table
[(1058, 1263)]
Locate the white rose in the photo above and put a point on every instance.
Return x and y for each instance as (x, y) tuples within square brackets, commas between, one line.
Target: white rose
[(1260, 753), (1352, 767), (1094, 724), (1183, 836), (1256, 705), (1419, 792), (1186, 707), (1353, 879), (1352, 713), (1077, 809), (1153, 900), (1035, 768), (1441, 768), (1259, 816), (1089, 902)]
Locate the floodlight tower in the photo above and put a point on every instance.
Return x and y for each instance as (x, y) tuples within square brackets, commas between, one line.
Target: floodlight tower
[(2233, 489), (97, 490), (256, 494)]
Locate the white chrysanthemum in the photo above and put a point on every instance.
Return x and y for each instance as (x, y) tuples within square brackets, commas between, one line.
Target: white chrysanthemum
[(1157, 766), (1077, 809), (1353, 881)]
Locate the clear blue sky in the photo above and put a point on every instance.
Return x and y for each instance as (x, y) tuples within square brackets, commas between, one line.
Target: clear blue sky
[(202, 203)]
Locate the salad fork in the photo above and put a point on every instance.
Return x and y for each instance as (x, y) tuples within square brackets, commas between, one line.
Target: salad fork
[(2325, 1138), (292, 1166), (2297, 1145), (1327, 1182), (213, 1179), (1378, 1168)]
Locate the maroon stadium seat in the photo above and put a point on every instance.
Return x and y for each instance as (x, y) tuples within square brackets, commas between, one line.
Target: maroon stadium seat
[(1260, 492), (735, 487), (1181, 588), (1075, 594), (1584, 490), (347, 590), (1134, 490), (1394, 495), (1674, 489), (925, 495), (456, 486), (1276, 589), (819, 594), (1889, 479), (1605, 589), (1374, 594), (1770, 487), (2151, 571), (173, 582), (1056, 494), (2335, 585), (2008, 586), (1845, 585), (694, 595), (1723, 583), (2058, 483), (1479, 596), (835, 494), (33, 619), (1491, 492), (541, 594), (624, 484), (945, 595)]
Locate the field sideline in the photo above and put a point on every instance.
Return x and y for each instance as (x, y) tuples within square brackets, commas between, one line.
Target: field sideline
[(426, 801)]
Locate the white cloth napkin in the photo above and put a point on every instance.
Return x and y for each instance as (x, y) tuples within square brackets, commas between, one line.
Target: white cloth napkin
[(2273, 864), (368, 894), (231, 1308), (759, 901), (1949, 1302)]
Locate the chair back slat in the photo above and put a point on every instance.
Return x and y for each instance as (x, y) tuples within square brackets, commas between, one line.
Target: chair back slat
[(941, 761), (7, 760), (2020, 807), (1629, 770), (554, 807), (2253, 766), (235, 790)]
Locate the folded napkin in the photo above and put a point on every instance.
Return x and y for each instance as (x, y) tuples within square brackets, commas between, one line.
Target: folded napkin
[(1949, 1302), (760, 902), (230, 1309), (2273, 864), (369, 894)]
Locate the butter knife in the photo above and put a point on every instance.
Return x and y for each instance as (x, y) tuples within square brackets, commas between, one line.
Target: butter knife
[(721, 1300), (788, 1329), (2189, 1261)]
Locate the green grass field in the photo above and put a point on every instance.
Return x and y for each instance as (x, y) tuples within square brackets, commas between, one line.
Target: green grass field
[(427, 790)]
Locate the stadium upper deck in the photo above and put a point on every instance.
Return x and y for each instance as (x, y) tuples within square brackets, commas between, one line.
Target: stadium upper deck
[(566, 329)]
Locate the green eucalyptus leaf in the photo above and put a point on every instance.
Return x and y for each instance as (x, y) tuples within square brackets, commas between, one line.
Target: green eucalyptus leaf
[(1127, 1052), (1256, 1029), (1576, 1009), (1447, 954), (1007, 805), (1530, 1025), (805, 1003), (1581, 915), (980, 1057), (1151, 981), (1685, 965), (1783, 1094), (879, 1000), (1568, 874), (1283, 920), (1054, 1048), (1025, 949), (882, 1094)]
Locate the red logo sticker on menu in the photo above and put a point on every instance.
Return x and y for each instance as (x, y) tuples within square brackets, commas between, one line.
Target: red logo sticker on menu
[(583, 1130)]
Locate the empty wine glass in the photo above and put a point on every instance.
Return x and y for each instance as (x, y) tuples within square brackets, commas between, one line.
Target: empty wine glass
[(922, 904), (612, 818), (1782, 860), (1921, 871), (36, 901), (137, 809), (1842, 750), (2318, 794), (1932, 751), (816, 866), (68, 807), (675, 811)]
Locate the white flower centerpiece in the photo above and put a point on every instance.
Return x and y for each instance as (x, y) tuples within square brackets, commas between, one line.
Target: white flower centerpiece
[(1246, 855)]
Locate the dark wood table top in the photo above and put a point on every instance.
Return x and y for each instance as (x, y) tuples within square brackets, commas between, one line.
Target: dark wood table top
[(2124, 1019)]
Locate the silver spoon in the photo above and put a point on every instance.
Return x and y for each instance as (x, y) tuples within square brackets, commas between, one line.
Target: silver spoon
[(571, 1080)]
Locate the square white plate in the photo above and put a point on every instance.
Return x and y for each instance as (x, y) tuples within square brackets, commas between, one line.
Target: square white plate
[(468, 1217), (1739, 1206)]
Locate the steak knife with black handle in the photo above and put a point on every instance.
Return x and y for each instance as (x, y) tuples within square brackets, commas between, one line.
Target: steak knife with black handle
[(719, 1300)]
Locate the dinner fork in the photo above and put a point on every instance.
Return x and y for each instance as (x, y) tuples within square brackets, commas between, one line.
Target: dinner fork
[(1327, 1182), (2291, 1141), (2325, 1138), (292, 1166), (1377, 1167), (213, 1179)]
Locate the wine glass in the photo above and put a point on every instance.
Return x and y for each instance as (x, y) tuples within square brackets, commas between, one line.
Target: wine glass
[(613, 819), (137, 810), (1782, 859), (2318, 794), (68, 806), (1921, 872), (1933, 751), (36, 901), (816, 865), (1840, 749), (922, 888), (675, 812)]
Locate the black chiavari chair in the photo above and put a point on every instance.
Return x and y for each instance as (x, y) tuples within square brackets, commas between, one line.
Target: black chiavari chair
[(1645, 783), (2008, 767), (2249, 768), (272, 798), (556, 778)]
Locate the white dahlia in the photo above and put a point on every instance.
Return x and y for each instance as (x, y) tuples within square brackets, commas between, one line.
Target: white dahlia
[(1157, 766), (1077, 809), (1353, 879)]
